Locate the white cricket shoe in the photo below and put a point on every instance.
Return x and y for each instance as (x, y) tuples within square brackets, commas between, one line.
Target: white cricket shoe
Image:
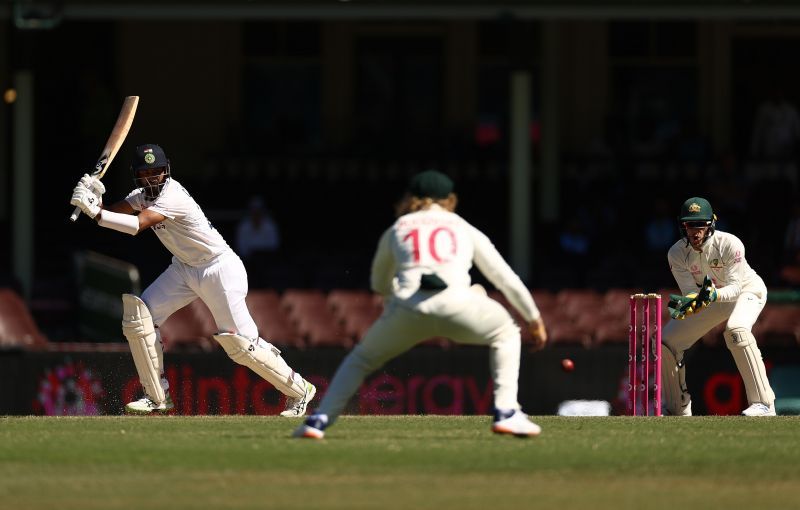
[(514, 422), (146, 405), (313, 427), (759, 409), (297, 406)]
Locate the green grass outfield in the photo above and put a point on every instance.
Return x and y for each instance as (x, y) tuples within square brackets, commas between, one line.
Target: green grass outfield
[(432, 462)]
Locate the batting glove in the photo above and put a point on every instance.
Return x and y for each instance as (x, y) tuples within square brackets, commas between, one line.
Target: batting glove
[(92, 183), (86, 200)]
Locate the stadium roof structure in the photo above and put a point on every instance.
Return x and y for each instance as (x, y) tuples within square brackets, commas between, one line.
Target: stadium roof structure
[(403, 9)]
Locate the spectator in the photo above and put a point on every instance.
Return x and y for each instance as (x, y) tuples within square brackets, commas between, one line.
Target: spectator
[(257, 232), (777, 129), (660, 230)]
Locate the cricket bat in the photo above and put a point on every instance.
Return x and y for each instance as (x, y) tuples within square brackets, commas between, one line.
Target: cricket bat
[(114, 142)]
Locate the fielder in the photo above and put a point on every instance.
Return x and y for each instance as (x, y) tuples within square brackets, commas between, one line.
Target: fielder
[(715, 278), (203, 265), (421, 267)]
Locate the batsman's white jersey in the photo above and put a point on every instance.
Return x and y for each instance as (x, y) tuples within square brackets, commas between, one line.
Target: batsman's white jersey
[(723, 259), (437, 241), (203, 265), (186, 232)]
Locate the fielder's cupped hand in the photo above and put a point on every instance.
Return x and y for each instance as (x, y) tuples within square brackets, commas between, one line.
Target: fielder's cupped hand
[(86, 200), (93, 184), (539, 334)]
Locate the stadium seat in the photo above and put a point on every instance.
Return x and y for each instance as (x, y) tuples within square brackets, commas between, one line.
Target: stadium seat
[(576, 301), (543, 298), (190, 328), (605, 327), (313, 318), (300, 300), (779, 325), (319, 328), (272, 320), (568, 333), (345, 303), (618, 301), (17, 327)]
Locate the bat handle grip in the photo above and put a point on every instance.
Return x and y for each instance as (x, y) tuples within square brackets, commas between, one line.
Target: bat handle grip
[(75, 214)]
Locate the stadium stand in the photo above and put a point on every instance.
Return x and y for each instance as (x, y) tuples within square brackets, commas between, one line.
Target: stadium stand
[(273, 324), (190, 328), (310, 313), (779, 325), (17, 327)]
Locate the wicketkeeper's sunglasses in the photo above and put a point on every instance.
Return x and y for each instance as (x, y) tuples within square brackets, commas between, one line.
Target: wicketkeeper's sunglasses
[(696, 224)]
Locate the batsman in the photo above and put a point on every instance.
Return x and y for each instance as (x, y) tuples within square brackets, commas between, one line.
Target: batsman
[(717, 285), (203, 266)]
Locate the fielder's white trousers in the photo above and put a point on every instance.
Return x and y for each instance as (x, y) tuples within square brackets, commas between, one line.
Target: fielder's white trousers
[(221, 284), (465, 317)]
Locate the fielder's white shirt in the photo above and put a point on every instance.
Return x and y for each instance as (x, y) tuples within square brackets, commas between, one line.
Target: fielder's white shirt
[(186, 232), (441, 242), (722, 258)]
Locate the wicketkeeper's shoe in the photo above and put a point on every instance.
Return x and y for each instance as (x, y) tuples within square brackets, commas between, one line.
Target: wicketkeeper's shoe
[(313, 427), (146, 405), (514, 422), (683, 411), (297, 406), (759, 409)]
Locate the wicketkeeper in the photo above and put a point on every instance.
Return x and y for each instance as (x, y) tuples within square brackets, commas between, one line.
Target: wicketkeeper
[(715, 279), (203, 265)]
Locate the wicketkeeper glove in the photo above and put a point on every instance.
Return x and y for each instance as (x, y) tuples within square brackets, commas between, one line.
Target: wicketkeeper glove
[(93, 184), (707, 294), (682, 306), (86, 200)]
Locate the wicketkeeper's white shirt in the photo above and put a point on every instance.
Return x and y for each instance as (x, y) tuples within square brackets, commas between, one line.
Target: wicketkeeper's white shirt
[(722, 258), (186, 232), (441, 242)]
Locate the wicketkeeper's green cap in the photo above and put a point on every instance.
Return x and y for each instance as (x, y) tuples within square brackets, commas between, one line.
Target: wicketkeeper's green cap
[(431, 184), (696, 209)]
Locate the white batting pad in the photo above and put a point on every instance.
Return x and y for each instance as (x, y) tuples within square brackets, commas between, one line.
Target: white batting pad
[(747, 356), (265, 360), (148, 354), (677, 400)]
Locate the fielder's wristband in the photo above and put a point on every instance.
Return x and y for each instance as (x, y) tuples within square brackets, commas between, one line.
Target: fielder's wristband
[(125, 223)]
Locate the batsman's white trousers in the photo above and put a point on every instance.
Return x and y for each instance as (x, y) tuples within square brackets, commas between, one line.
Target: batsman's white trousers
[(221, 284), (471, 318)]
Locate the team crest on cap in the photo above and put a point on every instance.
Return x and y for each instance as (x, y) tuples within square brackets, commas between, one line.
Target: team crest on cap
[(695, 207), (149, 158)]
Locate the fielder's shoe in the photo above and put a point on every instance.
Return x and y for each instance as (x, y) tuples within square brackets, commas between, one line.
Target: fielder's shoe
[(759, 409), (514, 422), (297, 406), (313, 427), (146, 405)]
